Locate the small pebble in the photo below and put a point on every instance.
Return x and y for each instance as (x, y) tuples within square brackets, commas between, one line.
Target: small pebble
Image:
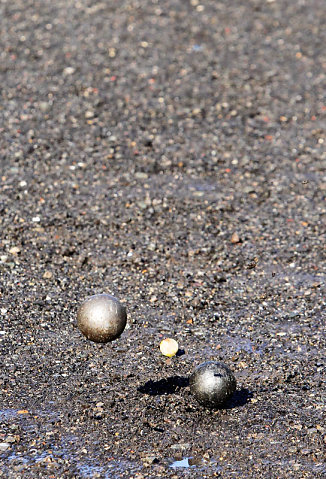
[(14, 250), (4, 446), (102, 318), (89, 114), (212, 383), (69, 71), (169, 347), (235, 238)]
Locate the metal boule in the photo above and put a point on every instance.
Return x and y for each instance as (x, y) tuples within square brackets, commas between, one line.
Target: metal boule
[(212, 383), (101, 318)]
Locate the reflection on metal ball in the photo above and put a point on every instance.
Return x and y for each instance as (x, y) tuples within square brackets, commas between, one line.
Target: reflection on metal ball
[(101, 318), (212, 383)]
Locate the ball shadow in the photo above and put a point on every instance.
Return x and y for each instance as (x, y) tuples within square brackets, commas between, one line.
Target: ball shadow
[(238, 399), (180, 352), (169, 385)]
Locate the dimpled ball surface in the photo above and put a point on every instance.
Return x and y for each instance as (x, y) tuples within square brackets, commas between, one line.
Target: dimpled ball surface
[(212, 383), (101, 318)]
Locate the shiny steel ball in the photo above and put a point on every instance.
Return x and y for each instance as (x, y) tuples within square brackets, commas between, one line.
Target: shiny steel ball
[(212, 383), (101, 318)]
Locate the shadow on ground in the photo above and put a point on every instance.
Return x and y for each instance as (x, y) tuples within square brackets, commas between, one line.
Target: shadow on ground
[(239, 398), (174, 384), (164, 386)]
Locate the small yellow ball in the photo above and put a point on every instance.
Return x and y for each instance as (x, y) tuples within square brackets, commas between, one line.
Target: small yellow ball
[(169, 347)]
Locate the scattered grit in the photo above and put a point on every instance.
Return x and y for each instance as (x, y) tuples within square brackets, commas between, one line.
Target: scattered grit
[(171, 154)]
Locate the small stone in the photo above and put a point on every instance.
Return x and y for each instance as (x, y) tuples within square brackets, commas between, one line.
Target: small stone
[(212, 383), (141, 175), (149, 459), (235, 238), (142, 205), (102, 318), (69, 71), (14, 250), (99, 414), (89, 114), (47, 275), (169, 347), (44, 106), (4, 446), (10, 439), (181, 446)]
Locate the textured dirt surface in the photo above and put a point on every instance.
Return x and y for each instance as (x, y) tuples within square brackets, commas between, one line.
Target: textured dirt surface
[(172, 154)]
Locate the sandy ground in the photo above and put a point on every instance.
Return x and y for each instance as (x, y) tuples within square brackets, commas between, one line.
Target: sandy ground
[(171, 154)]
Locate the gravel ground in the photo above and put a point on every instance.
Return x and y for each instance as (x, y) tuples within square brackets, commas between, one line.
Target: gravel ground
[(172, 154)]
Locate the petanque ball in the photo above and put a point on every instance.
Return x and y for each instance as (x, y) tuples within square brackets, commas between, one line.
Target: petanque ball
[(212, 383), (101, 318)]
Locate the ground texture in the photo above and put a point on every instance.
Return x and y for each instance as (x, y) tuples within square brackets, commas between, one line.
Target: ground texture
[(172, 154)]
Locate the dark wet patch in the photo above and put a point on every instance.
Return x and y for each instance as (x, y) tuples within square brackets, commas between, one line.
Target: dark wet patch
[(86, 467)]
